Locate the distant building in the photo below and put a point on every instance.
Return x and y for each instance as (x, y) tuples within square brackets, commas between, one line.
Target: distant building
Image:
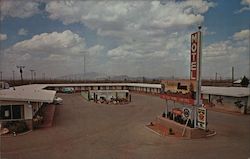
[(4, 85), (237, 83), (23, 103), (236, 99)]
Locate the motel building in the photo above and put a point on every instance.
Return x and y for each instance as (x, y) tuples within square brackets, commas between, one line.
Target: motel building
[(235, 99), (23, 103)]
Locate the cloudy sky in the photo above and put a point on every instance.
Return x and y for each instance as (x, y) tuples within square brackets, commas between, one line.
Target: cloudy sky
[(135, 38)]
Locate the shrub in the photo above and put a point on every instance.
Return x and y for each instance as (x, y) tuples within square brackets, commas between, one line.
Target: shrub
[(170, 131), (17, 126)]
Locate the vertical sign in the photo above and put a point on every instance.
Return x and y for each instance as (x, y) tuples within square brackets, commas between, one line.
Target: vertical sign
[(195, 71), (195, 55), (202, 118)]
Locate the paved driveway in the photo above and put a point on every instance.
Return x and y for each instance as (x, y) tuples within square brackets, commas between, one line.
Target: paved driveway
[(87, 130)]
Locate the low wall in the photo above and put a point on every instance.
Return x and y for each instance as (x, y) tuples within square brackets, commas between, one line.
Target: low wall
[(190, 133)]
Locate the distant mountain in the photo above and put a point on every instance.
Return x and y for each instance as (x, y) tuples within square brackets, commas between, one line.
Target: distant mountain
[(86, 76), (103, 77)]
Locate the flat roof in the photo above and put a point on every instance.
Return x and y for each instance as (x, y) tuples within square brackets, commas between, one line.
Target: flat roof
[(226, 91), (36, 92), (104, 84), (108, 91), (32, 93)]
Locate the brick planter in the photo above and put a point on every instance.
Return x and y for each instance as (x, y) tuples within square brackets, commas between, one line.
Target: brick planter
[(190, 133)]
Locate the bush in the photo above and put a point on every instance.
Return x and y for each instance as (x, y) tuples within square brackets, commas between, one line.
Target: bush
[(244, 82), (170, 131), (17, 126)]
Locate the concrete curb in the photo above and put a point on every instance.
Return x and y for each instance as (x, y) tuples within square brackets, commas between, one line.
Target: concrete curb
[(210, 135), (20, 134)]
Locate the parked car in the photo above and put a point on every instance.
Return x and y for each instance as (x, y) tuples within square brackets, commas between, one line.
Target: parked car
[(58, 100), (68, 90)]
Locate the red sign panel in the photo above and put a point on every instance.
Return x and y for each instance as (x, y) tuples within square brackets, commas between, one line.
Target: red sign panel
[(178, 99), (195, 54)]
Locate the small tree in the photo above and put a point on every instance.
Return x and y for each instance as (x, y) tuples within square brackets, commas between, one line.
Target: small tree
[(244, 82)]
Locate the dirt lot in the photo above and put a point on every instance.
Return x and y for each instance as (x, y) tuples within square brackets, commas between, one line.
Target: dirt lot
[(87, 130)]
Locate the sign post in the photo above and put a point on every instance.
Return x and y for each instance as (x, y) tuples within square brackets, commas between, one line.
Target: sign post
[(195, 68)]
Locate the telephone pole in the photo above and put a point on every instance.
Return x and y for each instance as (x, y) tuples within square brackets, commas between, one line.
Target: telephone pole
[(1, 75), (13, 75), (232, 75), (21, 71), (84, 64), (34, 75), (32, 71)]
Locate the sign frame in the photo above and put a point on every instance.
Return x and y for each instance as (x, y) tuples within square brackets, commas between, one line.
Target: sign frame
[(202, 118)]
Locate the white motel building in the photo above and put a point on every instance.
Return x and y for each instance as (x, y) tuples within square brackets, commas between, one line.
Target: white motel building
[(23, 102)]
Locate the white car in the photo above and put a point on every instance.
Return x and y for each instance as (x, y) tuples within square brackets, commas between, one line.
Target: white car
[(58, 100)]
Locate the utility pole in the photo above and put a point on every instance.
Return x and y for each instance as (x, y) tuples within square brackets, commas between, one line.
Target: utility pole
[(34, 75), (232, 75), (13, 75), (216, 76), (249, 48), (31, 71), (84, 64), (1, 75), (21, 71)]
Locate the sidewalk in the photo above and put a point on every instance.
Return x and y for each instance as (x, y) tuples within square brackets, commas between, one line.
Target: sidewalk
[(221, 110)]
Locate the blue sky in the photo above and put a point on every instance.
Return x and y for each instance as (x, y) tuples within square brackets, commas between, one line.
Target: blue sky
[(135, 38)]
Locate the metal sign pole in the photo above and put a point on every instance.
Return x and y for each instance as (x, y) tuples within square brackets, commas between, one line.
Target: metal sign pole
[(199, 68)]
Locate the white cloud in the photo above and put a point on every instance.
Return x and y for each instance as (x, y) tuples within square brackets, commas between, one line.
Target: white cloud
[(3, 37), (222, 56), (125, 18), (56, 53), (149, 33), (21, 9), (22, 31), (242, 35), (246, 3)]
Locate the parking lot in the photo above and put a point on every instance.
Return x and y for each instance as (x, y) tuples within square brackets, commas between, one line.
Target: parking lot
[(88, 130)]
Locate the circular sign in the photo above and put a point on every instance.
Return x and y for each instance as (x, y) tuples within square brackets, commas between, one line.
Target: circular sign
[(186, 112)]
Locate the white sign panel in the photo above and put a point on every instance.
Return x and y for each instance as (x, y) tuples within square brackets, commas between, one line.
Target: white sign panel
[(201, 118)]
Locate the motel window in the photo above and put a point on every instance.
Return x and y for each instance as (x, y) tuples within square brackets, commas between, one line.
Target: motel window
[(9, 112)]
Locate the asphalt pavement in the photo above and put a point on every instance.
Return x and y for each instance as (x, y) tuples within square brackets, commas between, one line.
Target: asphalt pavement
[(83, 129)]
